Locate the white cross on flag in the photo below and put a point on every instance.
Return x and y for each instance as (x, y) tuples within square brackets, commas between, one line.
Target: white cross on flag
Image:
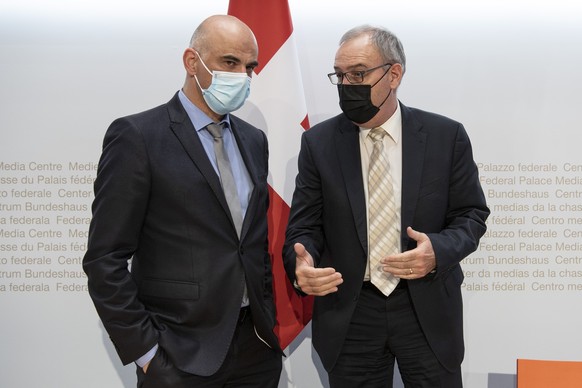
[(277, 106)]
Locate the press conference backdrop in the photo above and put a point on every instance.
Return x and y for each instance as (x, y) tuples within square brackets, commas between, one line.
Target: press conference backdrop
[(509, 70)]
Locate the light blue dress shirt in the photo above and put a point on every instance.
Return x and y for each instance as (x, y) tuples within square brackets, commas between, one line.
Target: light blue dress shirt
[(242, 178)]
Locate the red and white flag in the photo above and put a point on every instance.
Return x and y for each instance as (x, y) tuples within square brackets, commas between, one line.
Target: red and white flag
[(277, 106)]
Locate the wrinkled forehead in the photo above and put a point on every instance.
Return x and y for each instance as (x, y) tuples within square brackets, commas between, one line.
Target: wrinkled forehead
[(357, 52)]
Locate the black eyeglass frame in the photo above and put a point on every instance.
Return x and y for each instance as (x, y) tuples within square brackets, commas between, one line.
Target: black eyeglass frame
[(337, 78)]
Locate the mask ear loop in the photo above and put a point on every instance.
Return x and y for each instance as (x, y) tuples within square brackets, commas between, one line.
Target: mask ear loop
[(389, 93), (204, 64), (208, 70), (379, 79)]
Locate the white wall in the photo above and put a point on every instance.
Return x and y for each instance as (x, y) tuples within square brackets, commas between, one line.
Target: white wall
[(509, 70)]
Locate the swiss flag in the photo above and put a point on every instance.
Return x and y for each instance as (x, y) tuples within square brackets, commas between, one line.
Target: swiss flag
[(277, 106)]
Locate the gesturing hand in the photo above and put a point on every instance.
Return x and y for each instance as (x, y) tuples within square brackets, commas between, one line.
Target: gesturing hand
[(415, 263), (311, 280)]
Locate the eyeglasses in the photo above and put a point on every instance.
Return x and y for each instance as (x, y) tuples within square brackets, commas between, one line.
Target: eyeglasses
[(353, 77)]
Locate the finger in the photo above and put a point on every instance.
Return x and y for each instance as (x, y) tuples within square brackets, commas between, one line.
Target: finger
[(299, 249), (320, 292), (402, 270), (318, 279), (322, 289), (415, 235), (303, 257), (399, 260), (323, 274), (411, 232), (324, 283)]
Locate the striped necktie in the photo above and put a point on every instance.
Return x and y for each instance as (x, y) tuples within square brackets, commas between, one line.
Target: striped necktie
[(384, 235)]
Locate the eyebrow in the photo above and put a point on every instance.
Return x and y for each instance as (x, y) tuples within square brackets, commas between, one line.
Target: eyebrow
[(357, 67), (231, 58), (237, 60)]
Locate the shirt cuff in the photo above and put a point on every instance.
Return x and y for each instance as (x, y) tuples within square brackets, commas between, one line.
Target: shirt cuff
[(147, 357)]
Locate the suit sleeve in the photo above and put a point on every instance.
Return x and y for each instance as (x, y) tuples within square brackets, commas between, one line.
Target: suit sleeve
[(121, 197), (467, 210), (268, 262), (305, 220)]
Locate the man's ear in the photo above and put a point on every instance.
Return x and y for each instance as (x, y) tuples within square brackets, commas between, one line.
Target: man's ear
[(396, 72), (190, 59)]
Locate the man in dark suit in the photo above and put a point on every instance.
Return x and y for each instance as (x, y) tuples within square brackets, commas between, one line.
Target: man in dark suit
[(378, 298), (196, 309)]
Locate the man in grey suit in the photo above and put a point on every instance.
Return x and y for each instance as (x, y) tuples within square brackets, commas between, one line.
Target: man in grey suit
[(181, 190), (386, 205)]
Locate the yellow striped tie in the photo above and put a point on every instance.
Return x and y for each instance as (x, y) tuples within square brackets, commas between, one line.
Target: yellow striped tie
[(384, 235)]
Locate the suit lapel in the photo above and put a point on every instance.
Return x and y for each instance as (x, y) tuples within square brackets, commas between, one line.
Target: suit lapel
[(348, 152), (182, 127), (413, 150)]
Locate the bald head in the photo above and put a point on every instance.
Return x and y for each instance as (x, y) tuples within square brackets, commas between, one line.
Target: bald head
[(223, 29), (220, 43)]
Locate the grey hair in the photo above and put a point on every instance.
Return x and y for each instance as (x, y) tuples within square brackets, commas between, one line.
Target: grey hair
[(387, 43), (199, 37)]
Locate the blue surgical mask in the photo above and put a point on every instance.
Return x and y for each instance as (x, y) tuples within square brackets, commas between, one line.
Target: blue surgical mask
[(227, 91)]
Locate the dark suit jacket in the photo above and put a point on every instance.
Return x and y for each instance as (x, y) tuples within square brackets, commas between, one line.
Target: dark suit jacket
[(159, 201), (441, 196)]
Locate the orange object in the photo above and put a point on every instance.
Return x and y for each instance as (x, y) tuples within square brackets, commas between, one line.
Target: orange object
[(549, 374)]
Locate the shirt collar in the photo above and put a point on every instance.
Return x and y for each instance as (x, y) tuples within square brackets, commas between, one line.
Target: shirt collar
[(393, 126), (199, 119)]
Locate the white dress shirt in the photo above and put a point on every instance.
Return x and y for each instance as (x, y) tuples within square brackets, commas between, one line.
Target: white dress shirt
[(393, 151)]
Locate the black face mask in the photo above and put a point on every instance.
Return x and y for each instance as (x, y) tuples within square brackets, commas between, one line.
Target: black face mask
[(356, 101)]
